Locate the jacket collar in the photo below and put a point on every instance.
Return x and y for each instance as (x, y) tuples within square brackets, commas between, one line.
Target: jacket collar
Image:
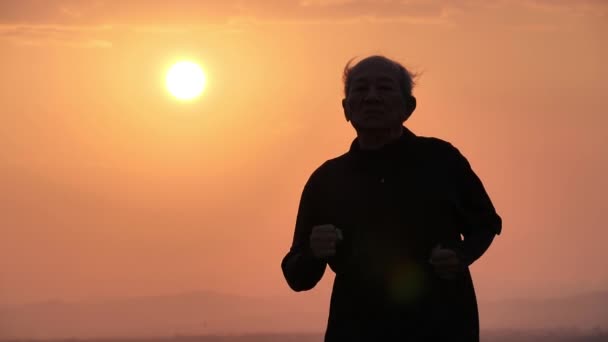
[(404, 142)]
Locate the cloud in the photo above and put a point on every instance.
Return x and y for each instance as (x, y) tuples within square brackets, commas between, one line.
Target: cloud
[(39, 35), (80, 23), (578, 7), (196, 12), (192, 12), (541, 28), (58, 19)]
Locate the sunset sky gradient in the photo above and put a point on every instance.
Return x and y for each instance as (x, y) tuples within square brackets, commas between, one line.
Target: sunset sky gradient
[(110, 187)]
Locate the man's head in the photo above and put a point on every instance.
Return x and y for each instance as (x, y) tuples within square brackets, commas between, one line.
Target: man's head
[(378, 93)]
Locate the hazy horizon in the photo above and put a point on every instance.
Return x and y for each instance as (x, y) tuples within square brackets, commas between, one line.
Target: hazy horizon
[(110, 187), (209, 313)]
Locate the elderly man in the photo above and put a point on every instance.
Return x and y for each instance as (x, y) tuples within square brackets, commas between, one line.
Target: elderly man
[(398, 218)]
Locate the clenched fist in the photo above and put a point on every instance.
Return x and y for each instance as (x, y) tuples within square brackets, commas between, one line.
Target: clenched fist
[(323, 240), (446, 262)]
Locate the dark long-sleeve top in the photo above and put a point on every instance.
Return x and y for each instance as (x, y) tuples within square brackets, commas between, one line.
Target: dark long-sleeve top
[(393, 205)]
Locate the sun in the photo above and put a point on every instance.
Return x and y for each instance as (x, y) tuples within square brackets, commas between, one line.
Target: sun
[(185, 80)]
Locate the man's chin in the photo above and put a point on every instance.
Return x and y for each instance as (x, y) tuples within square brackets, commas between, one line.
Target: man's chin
[(373, 125)]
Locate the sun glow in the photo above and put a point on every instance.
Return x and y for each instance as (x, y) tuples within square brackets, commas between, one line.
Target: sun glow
[(185, 80)]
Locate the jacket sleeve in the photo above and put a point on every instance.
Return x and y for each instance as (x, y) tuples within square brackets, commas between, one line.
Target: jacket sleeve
[(300, 268), (480, 222)]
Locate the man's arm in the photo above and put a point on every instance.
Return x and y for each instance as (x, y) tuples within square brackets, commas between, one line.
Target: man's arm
[(480, 222), (474, 245), (300, 268)]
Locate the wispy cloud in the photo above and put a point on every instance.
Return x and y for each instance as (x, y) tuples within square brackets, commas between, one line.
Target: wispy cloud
[(597, 8), (67, 20), (541, 28), (79, 23), (193, 12), (44, 34)]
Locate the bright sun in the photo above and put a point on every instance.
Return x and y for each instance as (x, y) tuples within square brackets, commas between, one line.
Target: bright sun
[(185, 80)]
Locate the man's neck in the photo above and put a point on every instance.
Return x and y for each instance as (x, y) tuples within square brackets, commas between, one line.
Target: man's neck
[(373, 139)]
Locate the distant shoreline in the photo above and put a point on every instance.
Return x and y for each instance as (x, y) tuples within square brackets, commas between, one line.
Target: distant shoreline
[(504, 335)]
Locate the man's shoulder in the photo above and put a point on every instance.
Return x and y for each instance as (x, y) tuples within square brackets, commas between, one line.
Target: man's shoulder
[(435, 144), (334, 163), (442, 152), (438, 151), (331, 166), (338, 160)]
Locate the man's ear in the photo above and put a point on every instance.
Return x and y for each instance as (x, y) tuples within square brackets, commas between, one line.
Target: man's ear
[(410, 106), (346, 110)]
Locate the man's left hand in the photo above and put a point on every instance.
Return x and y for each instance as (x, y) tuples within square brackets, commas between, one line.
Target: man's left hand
[(446, 262)]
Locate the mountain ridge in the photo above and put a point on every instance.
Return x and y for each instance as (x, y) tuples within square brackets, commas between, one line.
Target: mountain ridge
[(210, 312)]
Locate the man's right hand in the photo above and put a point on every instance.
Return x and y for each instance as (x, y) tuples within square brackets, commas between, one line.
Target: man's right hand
[(323, 240)]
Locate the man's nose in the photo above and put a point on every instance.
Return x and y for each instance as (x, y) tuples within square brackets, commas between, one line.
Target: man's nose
[(372, 94)]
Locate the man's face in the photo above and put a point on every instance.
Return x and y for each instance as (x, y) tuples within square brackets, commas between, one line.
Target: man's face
[(374, 99)]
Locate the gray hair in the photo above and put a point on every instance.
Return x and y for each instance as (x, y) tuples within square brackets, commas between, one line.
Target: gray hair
[(404, 76)]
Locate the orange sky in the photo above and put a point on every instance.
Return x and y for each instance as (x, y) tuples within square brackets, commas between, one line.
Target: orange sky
[(110, 187)]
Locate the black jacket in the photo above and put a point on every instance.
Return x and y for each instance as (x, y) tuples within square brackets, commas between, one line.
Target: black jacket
[(393, 206)]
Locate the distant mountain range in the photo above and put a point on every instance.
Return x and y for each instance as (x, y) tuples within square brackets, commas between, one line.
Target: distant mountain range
[(585, 311), (214, 313), (169, 315)]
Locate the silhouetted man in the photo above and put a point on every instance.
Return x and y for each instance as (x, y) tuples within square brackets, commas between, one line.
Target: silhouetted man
[(398, 218)]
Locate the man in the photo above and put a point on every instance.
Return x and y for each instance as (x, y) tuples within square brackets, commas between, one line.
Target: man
[(398, 218)]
